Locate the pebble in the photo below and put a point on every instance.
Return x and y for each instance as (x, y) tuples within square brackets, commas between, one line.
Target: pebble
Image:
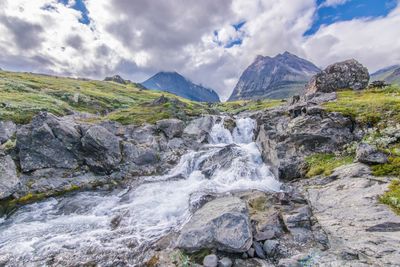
[(210, 260)]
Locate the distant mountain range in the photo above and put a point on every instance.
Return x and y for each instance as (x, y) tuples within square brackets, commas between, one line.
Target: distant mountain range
[(389, 74), (175, 83), (274, 77)]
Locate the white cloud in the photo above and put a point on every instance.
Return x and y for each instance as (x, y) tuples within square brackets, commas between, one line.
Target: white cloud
[(138, 38), (333, 3)]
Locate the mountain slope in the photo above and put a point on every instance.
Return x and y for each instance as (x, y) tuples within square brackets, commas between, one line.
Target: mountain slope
[(389, 74), (175, 83), (278, 77)]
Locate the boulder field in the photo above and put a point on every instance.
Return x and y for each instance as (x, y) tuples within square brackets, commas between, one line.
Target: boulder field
[(328, 220)]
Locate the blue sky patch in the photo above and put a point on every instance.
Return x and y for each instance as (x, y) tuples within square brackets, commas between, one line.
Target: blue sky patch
[(80, 6), (352, 9)]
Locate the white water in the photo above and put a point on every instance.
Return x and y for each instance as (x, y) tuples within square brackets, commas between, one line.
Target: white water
[(79, 227)]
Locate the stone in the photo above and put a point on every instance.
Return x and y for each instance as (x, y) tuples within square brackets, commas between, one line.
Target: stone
[(271, 247), (116, 79), (298, 218), (259, 250), (251, 252), (48, 142), (370, 155), (102, 149), (8, 176), (222, 223), (225, 262), (171, 127), (348, 74), (7, 130), (210, 260), (200, 126)]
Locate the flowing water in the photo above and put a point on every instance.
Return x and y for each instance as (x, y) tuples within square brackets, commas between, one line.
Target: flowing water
[(116, 227)]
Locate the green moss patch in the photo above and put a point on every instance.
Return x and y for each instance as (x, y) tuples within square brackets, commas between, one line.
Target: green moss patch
[(392, 196), (324, 164), (369, 106)]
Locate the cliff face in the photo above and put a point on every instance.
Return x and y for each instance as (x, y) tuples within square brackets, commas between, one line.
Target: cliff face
[(278, 77)]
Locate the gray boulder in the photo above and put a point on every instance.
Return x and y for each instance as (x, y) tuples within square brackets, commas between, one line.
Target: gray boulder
[(225, 262), (349, 74), (271, 247), (7, 130), (370, 155), (8, 176), (101, 149), (210, 260), (222, 223), (171, 127), (48, 142), (200, 127)]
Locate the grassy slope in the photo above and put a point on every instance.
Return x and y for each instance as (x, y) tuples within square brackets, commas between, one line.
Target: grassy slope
[(23, 95)]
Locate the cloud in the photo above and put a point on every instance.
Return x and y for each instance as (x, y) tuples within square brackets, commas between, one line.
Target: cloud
[(196, 38), (333, 3)]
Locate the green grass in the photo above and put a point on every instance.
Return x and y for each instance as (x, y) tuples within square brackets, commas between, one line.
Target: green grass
[(392, 167), (23, 95), (324, 164), (392, 196), (235, 107), (370, 106)]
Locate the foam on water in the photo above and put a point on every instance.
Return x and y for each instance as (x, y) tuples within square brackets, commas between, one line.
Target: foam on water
[(105, 226)]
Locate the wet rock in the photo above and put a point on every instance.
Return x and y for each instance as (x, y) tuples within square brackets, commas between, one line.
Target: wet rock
[(139, 155), (102, 150), (7, 130), (230, 124), (48, 142), (200, 126), (271, 247), (259, 250), (210, 261), (8, 176), (225, 262), (370, 155), (222, 223), (171, 127), (348, 74)]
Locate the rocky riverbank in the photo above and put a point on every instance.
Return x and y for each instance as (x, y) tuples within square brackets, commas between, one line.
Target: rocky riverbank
[(204, 191)]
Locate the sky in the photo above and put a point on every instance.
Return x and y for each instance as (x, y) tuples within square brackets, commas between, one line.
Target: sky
[(210, 42)]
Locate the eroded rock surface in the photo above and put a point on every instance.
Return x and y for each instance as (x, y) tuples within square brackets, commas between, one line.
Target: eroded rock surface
[(8, 176)]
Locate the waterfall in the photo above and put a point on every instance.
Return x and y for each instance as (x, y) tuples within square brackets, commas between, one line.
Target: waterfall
[(106, 226)]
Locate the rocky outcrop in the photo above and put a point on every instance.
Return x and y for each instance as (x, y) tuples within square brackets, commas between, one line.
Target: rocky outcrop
[(48, 142), (7, 130), (171, 127), (361, 231), (101, 149), (348, 74), (8, 176), (222, 224), (116, 79), (290, 133)]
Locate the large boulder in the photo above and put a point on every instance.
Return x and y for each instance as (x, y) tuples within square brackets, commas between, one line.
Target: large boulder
[(102, 149), (222, 224), (349, 74), (171, 127), (8, 176), (48, 142), (7, 130)]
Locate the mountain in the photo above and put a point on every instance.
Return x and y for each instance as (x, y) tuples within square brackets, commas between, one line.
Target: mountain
[(175, 83), (274, 77), (389, 74)]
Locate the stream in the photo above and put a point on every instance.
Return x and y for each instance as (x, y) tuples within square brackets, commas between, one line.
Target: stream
[(116, 227)]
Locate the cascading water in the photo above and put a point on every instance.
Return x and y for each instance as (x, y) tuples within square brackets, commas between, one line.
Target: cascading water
[(117, 227)]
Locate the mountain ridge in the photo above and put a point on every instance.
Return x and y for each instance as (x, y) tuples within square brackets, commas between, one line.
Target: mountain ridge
[(274, 77), (175, 83)]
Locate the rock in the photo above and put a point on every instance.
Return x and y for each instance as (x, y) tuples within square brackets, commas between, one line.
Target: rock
[(298, 218), (139, 155), (7, 130), (252, 263), (289, 263), (210, 261), (370, 155), (251, 252), (348, 74), (171, 127), (271, 247), (259, 250), (102, 150), (200, 127), (230, 124), (8, 176), (222, 223), (285, 141), (116, 79), (225, 262), (48, 142)]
